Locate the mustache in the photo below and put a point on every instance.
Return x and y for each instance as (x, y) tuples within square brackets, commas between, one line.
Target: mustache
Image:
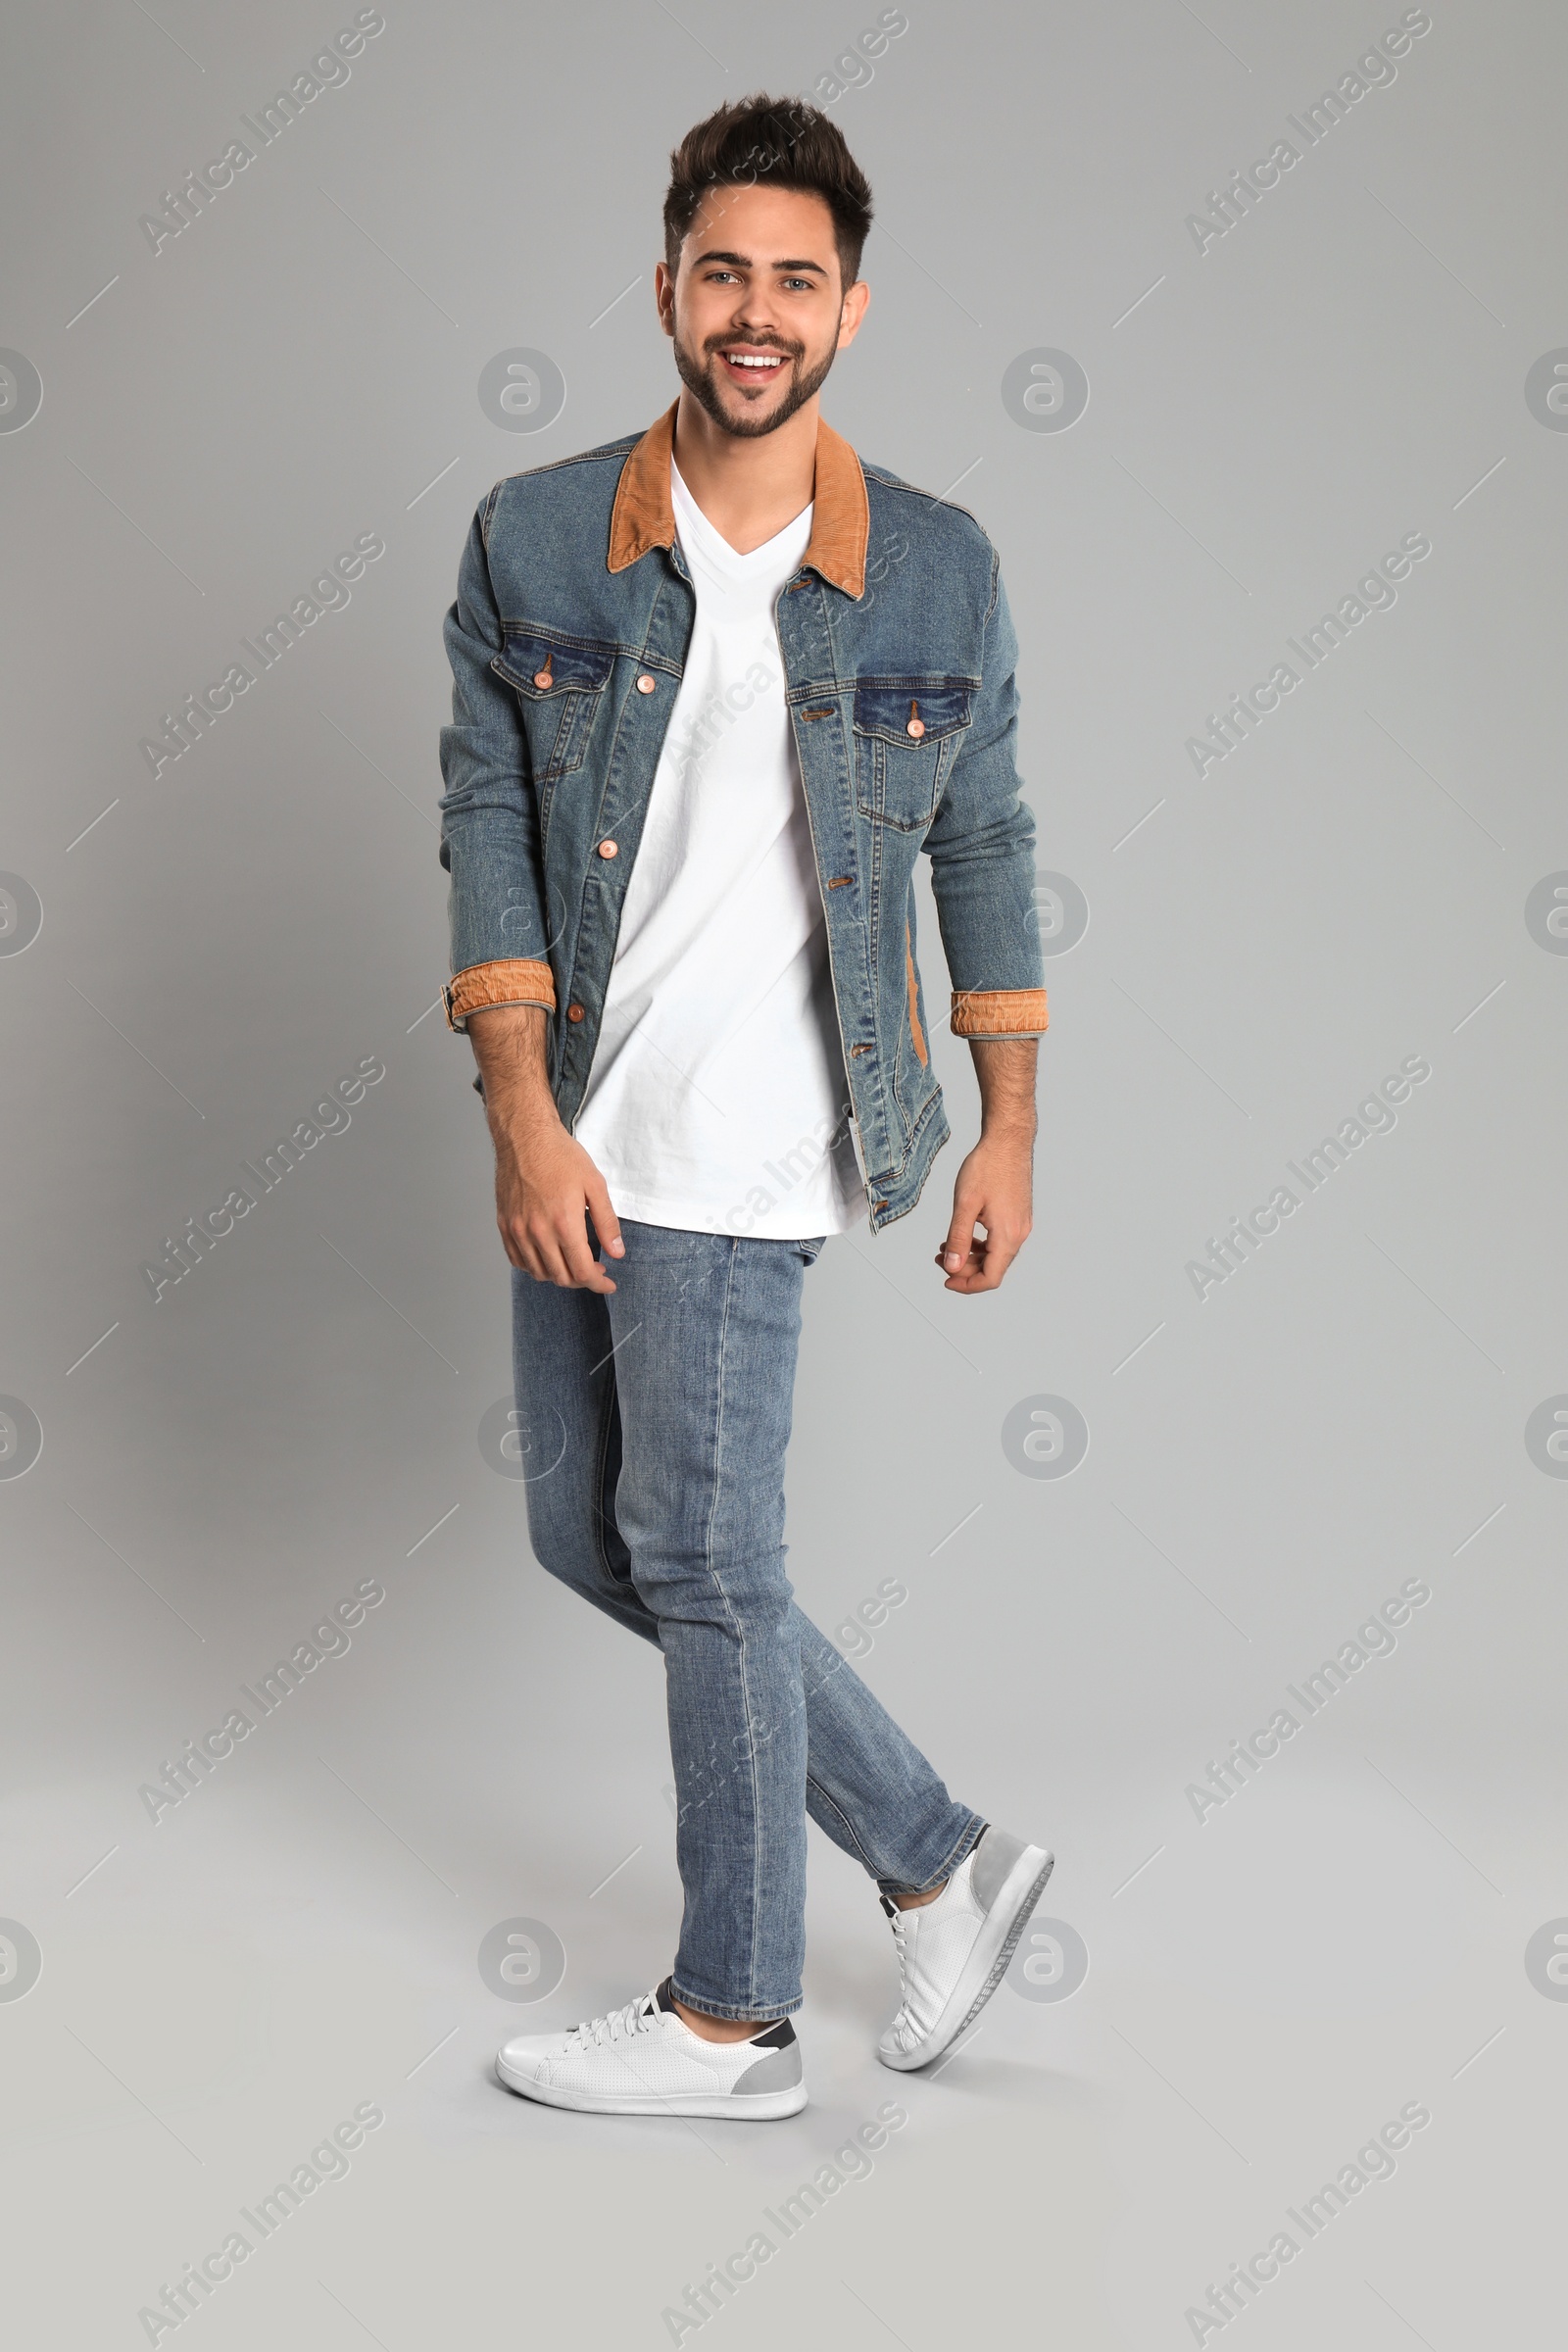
[(720, 343)]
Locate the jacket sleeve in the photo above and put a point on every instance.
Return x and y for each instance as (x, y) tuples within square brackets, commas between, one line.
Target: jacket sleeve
[(981, 846), (489, 817)]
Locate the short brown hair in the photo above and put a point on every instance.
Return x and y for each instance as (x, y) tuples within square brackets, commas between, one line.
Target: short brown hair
[(782, 140)]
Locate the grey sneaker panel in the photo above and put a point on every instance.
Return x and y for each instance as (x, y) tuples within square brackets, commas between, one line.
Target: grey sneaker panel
[(780, 2070), (994, 1857)]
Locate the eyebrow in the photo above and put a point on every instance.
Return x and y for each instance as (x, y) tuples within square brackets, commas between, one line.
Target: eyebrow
[(743, 261)]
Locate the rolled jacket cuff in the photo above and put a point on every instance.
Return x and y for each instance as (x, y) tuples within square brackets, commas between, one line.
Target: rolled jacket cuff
[(511, 980), (1000, 1012)]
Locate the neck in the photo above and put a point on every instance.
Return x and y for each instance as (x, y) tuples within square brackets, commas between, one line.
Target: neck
[(749, 490)]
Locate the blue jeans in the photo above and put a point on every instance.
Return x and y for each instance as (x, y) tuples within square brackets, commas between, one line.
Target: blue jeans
[(666, 1509)]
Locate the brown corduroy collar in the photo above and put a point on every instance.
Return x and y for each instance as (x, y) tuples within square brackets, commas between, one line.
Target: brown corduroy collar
[(643, 516)]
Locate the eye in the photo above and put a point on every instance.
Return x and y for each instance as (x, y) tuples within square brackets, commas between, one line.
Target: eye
[(803, 283)]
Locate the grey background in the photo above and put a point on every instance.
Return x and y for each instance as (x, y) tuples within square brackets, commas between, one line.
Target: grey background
[(1264, 1988)]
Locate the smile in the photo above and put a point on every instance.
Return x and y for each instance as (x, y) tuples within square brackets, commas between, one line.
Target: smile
[(755, 364)]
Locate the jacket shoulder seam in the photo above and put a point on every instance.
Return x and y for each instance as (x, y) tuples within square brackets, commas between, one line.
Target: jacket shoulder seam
[(581, 457), (893, 481)]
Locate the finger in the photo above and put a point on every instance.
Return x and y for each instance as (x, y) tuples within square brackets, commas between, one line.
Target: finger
[(987, 1273), (961, 1232), (956, 1269), (544, 1243), (515, 1245), (606, 1225), (583, 1269), (998, 1259)]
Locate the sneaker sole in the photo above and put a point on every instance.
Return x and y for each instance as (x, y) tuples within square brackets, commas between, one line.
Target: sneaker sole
[(757, 2108), (987, 1964)]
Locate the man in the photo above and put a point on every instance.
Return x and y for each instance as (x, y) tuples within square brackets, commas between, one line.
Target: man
[(715, 688)]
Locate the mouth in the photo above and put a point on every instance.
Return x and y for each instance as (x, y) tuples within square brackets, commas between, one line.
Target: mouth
[(752, 365)]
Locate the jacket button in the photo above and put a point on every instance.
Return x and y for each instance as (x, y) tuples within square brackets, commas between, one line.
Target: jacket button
[(646, 684), (915, 727), (575, 1012), (608, 848), (543, 680)]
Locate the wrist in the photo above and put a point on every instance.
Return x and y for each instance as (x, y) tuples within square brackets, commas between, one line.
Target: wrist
[(521, 1113), (1016, 1130)]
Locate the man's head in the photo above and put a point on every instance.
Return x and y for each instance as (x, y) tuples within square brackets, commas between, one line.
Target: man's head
[(764, 221)]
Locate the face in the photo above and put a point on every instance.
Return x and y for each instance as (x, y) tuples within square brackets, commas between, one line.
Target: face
[(755, 308)]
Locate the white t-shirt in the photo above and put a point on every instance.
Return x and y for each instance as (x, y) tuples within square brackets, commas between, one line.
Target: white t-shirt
[(717, 1099)]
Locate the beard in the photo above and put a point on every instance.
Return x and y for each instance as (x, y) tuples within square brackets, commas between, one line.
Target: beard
[(698, 377)]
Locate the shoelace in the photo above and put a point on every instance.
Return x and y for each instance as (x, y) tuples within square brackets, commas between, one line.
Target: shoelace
[(636, 2018)]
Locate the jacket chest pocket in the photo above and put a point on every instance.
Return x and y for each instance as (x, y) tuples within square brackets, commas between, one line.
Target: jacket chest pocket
[(907, 736), (559, 684)]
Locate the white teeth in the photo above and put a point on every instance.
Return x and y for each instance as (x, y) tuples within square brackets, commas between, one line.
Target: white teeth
[(740, 359)]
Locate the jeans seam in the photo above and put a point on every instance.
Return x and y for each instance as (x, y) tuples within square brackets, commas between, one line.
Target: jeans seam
[(832, 1806), (957, 1854), (601, 1516), (965, 1846), (740, 1631)]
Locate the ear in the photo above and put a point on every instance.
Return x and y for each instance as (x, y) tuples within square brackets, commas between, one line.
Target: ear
[(857, 300), (665, 296)]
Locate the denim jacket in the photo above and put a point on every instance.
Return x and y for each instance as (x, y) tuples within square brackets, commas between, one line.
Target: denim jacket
[(573, 614)]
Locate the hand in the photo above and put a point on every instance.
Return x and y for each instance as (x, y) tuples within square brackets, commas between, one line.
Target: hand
[(546, 1185), (995, 1188)]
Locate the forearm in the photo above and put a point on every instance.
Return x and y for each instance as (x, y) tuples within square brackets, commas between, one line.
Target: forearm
[(1007, 1068), (509, 1045)]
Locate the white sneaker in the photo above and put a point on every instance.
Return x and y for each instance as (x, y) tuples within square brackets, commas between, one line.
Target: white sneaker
[(953, 1952), (645, 2060)]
